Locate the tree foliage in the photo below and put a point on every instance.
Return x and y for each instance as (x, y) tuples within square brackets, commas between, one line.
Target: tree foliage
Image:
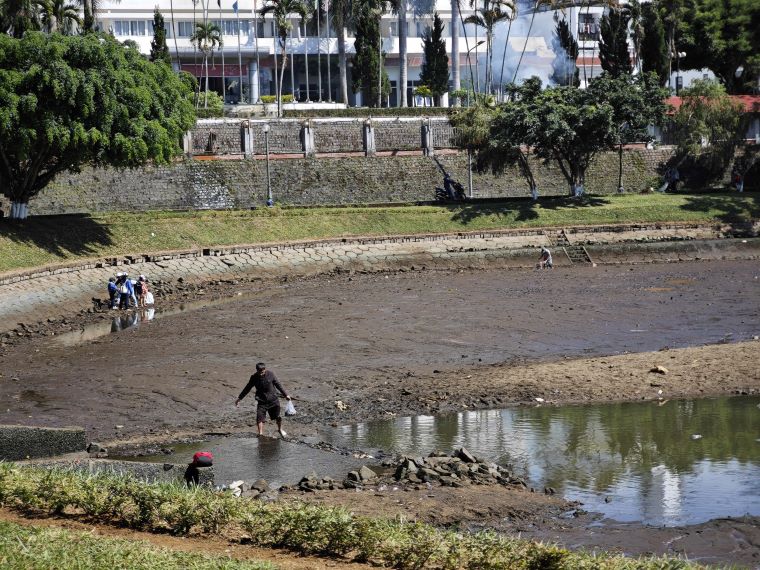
[(613, 45), (565, 55), (18, 16), (66, 101), (564, 125), (368, 61), (708, 127), (724, 36), (159, 51), (654, 49), (435, 67)]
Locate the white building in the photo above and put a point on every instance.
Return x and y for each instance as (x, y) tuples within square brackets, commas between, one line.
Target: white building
[(249, 45)]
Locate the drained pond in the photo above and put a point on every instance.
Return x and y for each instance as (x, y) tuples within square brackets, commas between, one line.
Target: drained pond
[(660, 463)]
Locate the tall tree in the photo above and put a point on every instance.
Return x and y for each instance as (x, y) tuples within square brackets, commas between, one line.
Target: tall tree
[(487, 18), (565, 55), (708, 127), (206, 38), (654, 49), (282, 11), (159, 51), (62, 17), (368, 71), (638, 101), (722, 36), (633, 8), (67, 101), (18, 16), (613, 45), (91, 9), (435, 67)]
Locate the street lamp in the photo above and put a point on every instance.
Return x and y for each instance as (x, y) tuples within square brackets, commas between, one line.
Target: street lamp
[(270, 201), (469, 63), (679, 79)]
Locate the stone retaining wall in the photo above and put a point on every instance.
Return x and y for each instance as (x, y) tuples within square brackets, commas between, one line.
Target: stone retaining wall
[(24, 442), (241, 183)]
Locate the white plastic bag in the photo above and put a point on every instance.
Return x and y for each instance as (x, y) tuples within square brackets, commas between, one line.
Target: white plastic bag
[(290, 409), (149, 298)]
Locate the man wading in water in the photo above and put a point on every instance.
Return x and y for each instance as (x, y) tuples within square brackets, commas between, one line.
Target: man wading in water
[(267, 386)]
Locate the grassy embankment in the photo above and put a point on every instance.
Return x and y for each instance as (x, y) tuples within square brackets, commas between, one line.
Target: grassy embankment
[(57, 239), (23, 548), (301, 528)]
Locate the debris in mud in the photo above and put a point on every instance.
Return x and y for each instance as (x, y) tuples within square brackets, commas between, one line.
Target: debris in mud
[(659, 369), (341, 406)]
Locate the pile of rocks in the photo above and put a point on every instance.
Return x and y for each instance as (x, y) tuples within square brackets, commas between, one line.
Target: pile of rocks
[(459, 469)]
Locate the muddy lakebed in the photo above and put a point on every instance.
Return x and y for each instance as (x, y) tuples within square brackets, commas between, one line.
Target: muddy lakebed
[(407, 362)]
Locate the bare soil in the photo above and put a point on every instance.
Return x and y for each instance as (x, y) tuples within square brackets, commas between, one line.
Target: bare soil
[(417, 342)]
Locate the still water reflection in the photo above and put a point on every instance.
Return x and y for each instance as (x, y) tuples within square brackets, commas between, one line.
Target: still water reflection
[(682, 462)]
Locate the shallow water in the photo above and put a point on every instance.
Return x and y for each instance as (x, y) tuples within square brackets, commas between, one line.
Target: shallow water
[(669, 463), (251, 458), (661, 463)]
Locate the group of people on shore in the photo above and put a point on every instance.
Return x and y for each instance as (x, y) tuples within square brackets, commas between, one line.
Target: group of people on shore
[(126, 293)]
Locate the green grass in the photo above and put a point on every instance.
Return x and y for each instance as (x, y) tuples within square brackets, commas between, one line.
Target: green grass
[(298, 527), (25, 548), (57, 239)]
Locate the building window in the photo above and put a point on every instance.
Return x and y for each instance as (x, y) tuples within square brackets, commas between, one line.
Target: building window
[(184, 29), (123, 28)]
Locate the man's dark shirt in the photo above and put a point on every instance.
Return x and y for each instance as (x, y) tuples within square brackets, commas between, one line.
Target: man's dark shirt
[(266, 385)]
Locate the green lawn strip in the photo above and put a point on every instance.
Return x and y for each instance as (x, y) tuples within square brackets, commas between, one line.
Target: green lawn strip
[(25, 548), (299, 527), (58, 239)]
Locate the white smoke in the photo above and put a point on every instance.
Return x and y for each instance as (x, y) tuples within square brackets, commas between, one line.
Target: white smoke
[(539, 54)]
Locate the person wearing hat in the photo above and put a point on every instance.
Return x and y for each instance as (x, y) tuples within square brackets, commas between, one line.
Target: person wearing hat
[(125, 289), (267, 386)]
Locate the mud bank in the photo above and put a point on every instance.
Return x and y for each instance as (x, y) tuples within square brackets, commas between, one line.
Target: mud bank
[(407, 343)]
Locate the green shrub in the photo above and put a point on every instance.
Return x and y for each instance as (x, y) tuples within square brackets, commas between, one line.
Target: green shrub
[(269, 99), (299, 527)]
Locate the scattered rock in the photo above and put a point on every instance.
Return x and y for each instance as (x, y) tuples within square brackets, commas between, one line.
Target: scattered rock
[(659, 369), (260, 485), (465, 455), (366, 474), (341, 406), (94, 447)]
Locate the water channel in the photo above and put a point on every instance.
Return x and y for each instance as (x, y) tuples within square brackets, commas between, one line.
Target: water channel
[(660, 463)]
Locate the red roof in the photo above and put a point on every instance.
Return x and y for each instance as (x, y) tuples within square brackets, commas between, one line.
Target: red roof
[(751, 103)]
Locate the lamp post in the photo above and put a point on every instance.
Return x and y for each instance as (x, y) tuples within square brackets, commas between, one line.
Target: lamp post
[(270, 201), (623, 127), (469, 64), (679, 80)]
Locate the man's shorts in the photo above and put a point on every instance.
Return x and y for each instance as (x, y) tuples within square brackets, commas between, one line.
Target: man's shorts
[(263, 408)]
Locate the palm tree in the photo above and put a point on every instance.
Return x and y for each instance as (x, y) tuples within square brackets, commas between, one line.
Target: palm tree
[(281, 10), (512, 18), (206, 37), (174, 32), (91, 9), (455, 48), (487, 17), (637, 29), (61, 17), (18, 16)]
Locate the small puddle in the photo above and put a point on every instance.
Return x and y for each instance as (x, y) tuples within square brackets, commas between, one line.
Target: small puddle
[(279, 462), (133, 318)]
